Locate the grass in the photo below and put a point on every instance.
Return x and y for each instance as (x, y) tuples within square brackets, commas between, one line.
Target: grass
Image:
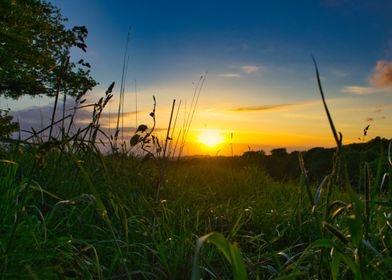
[(69, 212), (89, 216)]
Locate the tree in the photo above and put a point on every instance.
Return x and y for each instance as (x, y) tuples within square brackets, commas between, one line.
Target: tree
[(7, 126), (279, 152), (35, 51)]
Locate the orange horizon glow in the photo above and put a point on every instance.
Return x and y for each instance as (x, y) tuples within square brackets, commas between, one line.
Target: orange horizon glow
[(228, 143), (210, 137)]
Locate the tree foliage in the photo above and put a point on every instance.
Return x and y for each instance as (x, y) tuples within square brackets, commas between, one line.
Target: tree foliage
[(282, 165), (7, 126), (34, 51)]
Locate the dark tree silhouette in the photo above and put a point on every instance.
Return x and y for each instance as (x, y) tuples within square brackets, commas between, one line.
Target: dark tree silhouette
[(7, 126), (34, 51)]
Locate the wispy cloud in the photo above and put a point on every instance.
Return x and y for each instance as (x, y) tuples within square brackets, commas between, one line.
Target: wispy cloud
[(371, 119), (380, 78), (275, 107), (360, 90), (230, 75), (382, 74), (241, 71), (248, 69), (107, 115), (38, 117), (260, 108)]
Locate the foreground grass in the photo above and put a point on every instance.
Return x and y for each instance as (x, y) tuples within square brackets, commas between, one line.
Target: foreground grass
[(85, 216)]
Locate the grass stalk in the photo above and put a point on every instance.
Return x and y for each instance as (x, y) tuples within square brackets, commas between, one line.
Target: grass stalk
[(338, 139), (168, 129), (120, 111)]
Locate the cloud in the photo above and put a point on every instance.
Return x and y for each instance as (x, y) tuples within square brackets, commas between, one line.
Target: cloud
[(107, 115), (380, 78), (240, 71), (360, 90), (260, 108), (382, 74), (371, 119), (39, 118), (263, 108), (248, 69), (230, 75), (44, 114)]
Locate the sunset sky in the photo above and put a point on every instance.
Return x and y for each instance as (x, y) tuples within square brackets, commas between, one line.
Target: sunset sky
[(260, 91)]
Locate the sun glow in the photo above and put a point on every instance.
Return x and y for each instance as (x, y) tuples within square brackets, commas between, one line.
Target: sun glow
[(210, 138)]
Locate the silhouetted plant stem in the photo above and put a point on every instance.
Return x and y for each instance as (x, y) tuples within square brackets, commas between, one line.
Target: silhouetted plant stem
[(172, 152), (192, 109), (121, 101), (58, 86), (168, 129), (62, 122), (46, 128)]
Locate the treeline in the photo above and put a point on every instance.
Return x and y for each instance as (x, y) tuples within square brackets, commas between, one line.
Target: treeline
[(282, 165)]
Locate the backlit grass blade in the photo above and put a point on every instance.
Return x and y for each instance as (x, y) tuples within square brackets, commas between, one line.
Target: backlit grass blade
[(230, 251), (335, 232), (335, 265), (319, 191), (306, 180)]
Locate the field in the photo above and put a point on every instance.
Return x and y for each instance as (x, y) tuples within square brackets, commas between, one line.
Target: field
[(85, 215)]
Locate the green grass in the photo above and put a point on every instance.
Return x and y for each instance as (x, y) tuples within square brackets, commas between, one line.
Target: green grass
[(87, 216)]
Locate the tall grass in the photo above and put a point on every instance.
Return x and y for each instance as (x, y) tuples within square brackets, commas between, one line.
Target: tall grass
[(344, 243)]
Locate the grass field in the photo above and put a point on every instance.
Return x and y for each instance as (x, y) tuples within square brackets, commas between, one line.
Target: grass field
[(88, 216)]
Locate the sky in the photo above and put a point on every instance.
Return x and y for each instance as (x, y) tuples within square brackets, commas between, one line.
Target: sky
[(260, 90)]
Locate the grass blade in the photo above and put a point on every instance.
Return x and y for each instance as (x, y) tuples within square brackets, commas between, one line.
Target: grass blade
[(230, 251), (338, 139)]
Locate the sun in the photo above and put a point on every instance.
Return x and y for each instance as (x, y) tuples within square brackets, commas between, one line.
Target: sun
[(210, 138)]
